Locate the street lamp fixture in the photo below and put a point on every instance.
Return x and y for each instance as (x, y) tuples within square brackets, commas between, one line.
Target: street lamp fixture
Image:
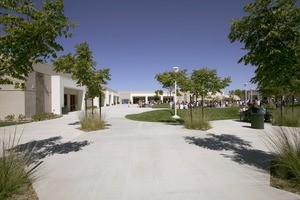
[(175, 69)]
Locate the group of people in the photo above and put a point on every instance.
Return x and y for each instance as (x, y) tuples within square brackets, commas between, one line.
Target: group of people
[(194, 104), (253, 106)]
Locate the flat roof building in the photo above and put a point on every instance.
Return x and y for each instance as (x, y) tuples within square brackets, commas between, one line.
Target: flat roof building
[(47, 91)]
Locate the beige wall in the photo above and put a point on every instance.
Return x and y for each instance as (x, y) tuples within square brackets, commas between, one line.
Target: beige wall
[(12, 102), (47, 82), (30, 97), (36, 97)]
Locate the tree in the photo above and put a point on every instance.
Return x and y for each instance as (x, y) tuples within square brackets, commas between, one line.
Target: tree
[(158, 93), (28, 35), (95, 87), (82, 68), (271, 36), (237, 92), (204, 81), (167, 79)]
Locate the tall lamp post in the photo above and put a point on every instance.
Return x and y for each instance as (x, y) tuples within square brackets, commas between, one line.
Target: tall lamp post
[(175, 69), (245, 84)]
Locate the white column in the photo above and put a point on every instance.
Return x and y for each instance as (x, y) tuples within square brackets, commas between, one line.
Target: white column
[(106, 100), (131, 98), (146, 99), (57, 96), (81, 94)]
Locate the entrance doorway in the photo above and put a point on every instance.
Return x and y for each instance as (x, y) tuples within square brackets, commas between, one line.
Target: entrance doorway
[(72, 102)]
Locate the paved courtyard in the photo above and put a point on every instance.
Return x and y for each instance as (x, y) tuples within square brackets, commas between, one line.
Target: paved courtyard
[(151, 161)]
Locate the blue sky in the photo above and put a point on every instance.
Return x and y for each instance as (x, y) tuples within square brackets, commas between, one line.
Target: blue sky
[(138, 38)]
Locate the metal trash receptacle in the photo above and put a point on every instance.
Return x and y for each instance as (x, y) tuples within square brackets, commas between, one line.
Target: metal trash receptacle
[(257, 120), (64, 110)]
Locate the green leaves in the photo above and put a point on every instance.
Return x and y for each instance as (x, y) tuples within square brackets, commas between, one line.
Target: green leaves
[(82, 68), (205, 80), (271, 36), (29, 36), (200, 83), (167, 79)]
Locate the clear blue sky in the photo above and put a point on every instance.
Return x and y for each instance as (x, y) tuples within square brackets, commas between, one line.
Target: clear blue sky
[(138, 38)]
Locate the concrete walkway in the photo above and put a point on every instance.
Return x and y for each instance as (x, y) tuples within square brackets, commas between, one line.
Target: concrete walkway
[(151, 161)]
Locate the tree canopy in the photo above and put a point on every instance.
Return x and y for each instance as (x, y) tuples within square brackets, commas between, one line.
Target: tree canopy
[(82, 68), (204, 80), (28, 35), (270, 33), (167, 79), (237, 92)]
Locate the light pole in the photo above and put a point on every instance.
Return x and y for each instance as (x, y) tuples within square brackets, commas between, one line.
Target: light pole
[(245, 84), (175, 69)]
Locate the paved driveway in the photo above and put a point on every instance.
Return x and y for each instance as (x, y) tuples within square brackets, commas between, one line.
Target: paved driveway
[(140, 160)]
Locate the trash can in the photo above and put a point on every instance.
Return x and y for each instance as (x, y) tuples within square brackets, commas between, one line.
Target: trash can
[(258, 118), (64, 110), (257, 121)]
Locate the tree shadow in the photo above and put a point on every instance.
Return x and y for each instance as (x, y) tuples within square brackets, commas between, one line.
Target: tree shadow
[(243, 153), (39, 149), (247, 127), (75, 123)]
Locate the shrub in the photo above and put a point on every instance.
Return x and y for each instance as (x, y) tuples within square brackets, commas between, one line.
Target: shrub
[(289, 118), (194, 120), (10, 117), (91, 122), (21, 117), (12, 168), (284, 142), (44, 116)]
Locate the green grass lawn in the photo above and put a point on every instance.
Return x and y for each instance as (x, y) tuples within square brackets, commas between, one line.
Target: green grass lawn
[(154, 116), (162, 105), (166, 115), (11, 123)]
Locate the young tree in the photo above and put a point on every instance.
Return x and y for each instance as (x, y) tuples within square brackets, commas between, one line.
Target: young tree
[(204, 80), (271, 36), (95, 88), (82, 68), (167, 79), (237, 92), (158, 93), (28, 35)]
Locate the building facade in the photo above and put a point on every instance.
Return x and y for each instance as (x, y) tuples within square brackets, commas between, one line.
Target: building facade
[(47, 91), (135, 96)]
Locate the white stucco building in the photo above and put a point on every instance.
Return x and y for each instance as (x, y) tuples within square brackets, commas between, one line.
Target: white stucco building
[(46, 91)]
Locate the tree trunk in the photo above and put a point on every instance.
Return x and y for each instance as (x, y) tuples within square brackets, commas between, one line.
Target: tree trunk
[(85, 106), (100, 104), (293, 103), (93, 107), (202, 104), (281, 106)]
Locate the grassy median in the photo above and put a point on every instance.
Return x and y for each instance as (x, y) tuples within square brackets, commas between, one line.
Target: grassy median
[(166, 114)]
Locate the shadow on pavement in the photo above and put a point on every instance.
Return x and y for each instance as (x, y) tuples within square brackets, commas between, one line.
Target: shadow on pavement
[(75, 123), (39, 149), (243, 153)]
